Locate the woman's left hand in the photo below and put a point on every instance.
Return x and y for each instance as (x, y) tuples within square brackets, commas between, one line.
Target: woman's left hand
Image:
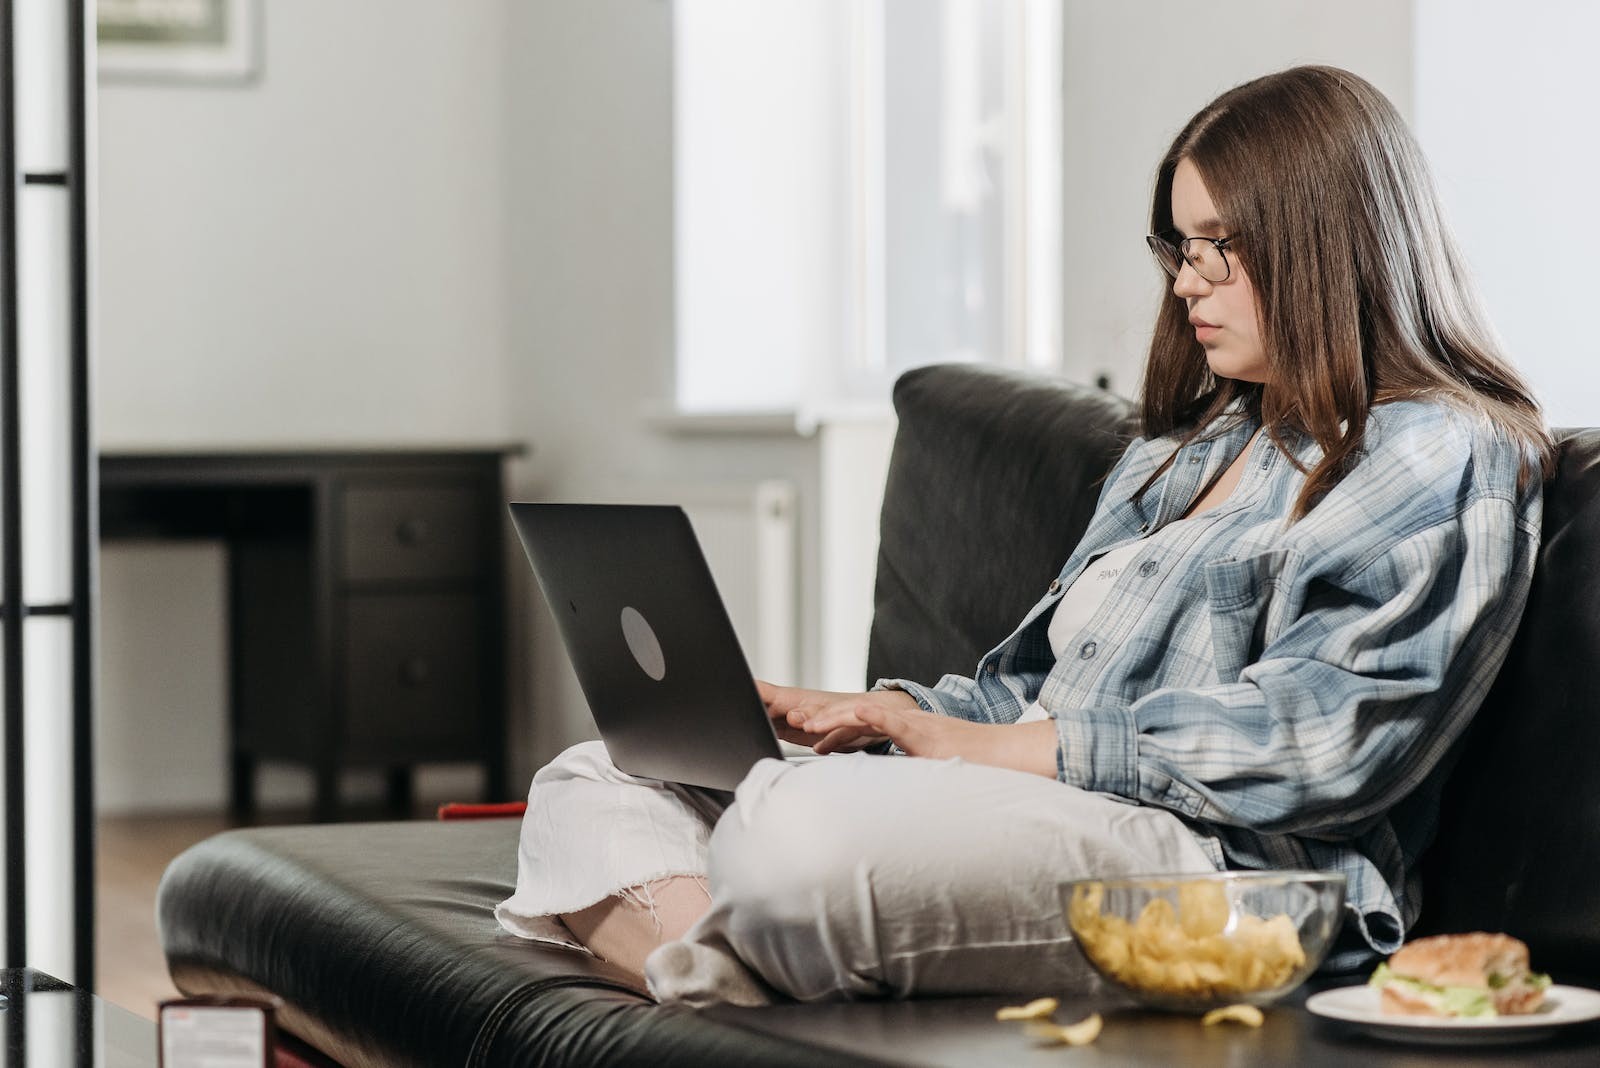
[(1021, 746)]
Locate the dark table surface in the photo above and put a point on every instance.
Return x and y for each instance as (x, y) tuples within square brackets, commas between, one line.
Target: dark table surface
[(48, 1022), (964, 1032)]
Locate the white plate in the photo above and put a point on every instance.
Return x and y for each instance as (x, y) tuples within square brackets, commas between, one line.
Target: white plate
[(1359, 1006)]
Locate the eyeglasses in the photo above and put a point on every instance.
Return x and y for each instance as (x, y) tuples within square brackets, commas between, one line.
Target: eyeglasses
[(1207, 255)]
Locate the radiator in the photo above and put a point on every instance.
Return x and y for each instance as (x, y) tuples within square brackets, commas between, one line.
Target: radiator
[(750, 535)]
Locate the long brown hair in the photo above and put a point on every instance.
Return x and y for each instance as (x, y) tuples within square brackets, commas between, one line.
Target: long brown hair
[(1363, 295)]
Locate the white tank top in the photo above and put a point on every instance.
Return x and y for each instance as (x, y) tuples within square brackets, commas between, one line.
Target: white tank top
[(1079, 604), (1085, 596)]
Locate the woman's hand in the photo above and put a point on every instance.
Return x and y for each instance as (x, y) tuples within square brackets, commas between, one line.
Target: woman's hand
[(828, 722), (1021, 746)]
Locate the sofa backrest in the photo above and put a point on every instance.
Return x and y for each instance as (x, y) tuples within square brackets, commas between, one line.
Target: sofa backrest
[(992, 480), (1519, 846)]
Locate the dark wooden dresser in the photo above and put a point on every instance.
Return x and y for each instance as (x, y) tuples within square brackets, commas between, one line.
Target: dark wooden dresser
[(366, 602)]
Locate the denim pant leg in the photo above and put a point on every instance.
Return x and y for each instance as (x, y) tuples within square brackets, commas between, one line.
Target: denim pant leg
[(865, 876)]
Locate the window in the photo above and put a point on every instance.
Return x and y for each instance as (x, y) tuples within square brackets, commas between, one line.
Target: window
[(862, 186)]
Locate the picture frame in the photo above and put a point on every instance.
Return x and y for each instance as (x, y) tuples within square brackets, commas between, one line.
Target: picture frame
[(174, 41)]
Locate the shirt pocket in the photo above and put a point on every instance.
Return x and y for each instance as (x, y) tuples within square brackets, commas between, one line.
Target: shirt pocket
[(1239, 591)]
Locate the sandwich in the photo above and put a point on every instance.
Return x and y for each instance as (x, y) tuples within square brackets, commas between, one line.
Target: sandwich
[(1464, 975)]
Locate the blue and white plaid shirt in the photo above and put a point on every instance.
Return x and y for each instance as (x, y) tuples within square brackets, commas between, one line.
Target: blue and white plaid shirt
[(1291, 692)]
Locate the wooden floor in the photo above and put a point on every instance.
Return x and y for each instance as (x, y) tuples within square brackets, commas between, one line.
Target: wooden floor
[(131, 854)]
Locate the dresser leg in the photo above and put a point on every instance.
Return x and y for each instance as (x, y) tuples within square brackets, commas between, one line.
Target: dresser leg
[(326, 803), (494, 780), (401, 797), (242, 783)]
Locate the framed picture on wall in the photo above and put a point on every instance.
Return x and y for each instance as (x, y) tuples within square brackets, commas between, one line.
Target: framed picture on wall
[(178, 40)]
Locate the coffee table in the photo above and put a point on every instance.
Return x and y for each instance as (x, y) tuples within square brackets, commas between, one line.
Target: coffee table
[(46, 1021)]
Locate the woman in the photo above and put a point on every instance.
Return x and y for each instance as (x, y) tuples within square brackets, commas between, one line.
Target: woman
[(1307, 571)]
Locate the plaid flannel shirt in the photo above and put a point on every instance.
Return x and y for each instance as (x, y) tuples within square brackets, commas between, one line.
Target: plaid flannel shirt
[(1292, 692)]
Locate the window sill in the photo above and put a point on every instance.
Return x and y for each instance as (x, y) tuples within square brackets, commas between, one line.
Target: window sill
[(671, 421)]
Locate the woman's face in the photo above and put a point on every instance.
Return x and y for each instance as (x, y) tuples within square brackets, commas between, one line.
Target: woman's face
[(1223, 314)]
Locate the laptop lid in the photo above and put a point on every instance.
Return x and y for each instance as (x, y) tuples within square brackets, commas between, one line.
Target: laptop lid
[(650, 639)]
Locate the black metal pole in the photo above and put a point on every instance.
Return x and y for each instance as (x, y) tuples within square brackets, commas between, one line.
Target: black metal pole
[(11, 508), (85, 503)]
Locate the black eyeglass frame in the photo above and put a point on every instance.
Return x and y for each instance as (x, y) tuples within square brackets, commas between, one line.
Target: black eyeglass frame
[(1160, 242)]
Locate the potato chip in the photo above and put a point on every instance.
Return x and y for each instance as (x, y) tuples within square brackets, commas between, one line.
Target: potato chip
[(1182, 975), (1286, 939), (1148, 972), (1248, 1015), (1113, 951), (1036, 1009), (1202, 909), (1087, 902), (1256, 972), (1156, 914), (1081, 1033)]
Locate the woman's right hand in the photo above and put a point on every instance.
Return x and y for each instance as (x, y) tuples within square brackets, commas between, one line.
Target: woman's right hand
[(826, 721)]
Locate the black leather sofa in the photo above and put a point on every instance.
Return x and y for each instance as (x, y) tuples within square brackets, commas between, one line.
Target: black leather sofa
[(379, 939)]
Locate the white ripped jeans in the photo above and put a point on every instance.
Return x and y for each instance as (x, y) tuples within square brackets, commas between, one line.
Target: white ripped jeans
[(840, 877)]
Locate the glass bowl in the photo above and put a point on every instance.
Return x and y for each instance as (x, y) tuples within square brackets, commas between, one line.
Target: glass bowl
[(1190, 943)]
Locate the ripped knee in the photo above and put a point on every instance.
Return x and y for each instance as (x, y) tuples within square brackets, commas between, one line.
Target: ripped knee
[(647, 897)]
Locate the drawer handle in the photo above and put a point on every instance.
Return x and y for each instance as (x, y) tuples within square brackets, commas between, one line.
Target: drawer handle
[(414, 671), (412, 531)]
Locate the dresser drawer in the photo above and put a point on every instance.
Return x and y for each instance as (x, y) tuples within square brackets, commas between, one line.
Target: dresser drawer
[(411, 532), (414, 672)]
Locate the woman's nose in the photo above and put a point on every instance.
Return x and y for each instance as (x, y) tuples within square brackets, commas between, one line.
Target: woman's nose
[(1188, 282)]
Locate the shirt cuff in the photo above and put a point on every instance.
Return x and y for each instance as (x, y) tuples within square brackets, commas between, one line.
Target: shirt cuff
[(926, 697), (1098, 750)]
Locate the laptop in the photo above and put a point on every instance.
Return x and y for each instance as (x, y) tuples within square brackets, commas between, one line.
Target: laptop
[(650, 639)]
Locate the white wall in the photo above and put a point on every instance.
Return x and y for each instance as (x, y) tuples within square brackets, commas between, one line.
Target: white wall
[(1135, 73), (316, 257), (319, 255), (1506, 97), (162, 737)]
